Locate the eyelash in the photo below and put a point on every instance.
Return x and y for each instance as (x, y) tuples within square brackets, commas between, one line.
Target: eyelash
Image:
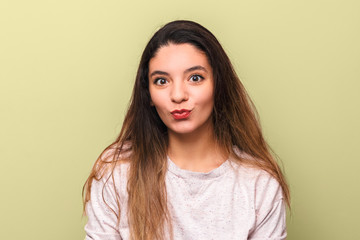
[(195, 75), (157, 80)]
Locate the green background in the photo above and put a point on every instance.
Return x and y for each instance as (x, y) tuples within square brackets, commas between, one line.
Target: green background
[(67, 69)]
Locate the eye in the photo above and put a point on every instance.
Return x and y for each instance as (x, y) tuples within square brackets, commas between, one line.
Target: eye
[(160, 81), (196, 78)]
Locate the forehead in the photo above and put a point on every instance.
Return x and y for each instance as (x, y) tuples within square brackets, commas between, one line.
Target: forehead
[(178, 57)]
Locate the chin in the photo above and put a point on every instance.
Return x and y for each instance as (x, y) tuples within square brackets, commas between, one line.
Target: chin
[(182, 129), (189, 127)]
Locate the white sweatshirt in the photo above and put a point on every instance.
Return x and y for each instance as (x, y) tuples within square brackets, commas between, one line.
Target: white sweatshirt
[(229, 202)]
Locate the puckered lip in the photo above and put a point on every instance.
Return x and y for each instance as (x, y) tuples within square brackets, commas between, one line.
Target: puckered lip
[(180, 111)]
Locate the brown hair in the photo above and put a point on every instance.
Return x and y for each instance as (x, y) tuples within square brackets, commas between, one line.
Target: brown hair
[(144, 135)]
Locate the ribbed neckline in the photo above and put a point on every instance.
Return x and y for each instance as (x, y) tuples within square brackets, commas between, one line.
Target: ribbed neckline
[(173, 168)]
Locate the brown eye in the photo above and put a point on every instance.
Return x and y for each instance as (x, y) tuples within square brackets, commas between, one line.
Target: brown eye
[(196, 78), (160, 81)]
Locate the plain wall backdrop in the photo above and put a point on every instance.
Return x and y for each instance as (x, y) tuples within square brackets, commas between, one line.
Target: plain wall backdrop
[(66, 75)]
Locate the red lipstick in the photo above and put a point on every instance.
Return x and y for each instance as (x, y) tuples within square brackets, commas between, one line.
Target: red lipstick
[(181, 114)]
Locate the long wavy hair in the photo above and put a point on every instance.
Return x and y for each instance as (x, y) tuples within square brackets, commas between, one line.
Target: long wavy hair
[(144, 135)]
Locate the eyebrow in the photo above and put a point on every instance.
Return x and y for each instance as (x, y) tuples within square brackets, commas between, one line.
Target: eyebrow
[(198, 67)]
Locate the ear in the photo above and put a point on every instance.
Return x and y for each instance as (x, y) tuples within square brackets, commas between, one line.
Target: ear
[(151, 103)]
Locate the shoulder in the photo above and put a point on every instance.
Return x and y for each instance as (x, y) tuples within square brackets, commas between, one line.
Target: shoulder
[(257, 180), (265, 186), (107, 195), (267, 204), (111, 171), (113, 160)]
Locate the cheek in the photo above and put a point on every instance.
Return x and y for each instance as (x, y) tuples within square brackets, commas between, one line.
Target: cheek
[(157, 100), (206, 98), (208, 101)]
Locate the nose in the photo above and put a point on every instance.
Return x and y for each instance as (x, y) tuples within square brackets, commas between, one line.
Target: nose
[(179, 92)]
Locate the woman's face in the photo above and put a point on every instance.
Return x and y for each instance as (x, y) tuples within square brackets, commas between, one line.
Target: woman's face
[(181, 87)]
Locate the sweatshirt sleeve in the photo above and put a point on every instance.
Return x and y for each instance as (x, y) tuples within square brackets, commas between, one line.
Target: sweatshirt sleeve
[(102, 211), (270, 222)]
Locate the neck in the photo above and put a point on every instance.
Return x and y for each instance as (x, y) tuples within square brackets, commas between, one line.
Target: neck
[(197, 151)]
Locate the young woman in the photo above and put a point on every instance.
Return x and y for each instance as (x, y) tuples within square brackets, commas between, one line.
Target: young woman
[(190, 161)]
